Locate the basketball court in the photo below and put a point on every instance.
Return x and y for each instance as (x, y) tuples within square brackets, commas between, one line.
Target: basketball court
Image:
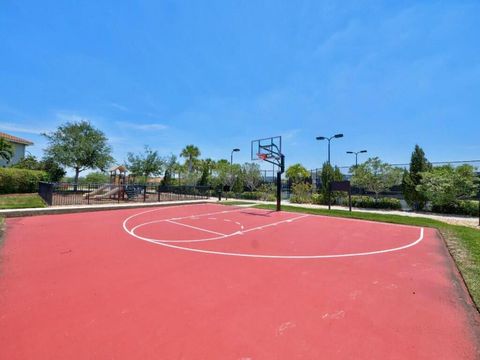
[(221, 282)]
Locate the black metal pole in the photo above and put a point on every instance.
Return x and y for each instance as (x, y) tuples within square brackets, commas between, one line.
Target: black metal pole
[(279, 191), (356, 159), (329, 195), (350, 199), (328, 151)]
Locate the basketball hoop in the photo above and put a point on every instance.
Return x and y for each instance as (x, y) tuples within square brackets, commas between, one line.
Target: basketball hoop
[(270, 151), (262, 156)]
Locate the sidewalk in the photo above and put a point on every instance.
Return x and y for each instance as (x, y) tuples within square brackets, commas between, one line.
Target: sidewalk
[(97, 207), (449, 219)]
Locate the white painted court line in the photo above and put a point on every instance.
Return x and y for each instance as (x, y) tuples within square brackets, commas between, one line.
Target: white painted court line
[(196, 228), (192, 216), (267, 256), (222, 236), (166, 243), (274, 224)]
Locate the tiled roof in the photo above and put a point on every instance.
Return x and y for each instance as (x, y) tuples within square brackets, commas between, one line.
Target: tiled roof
[(15, 139)]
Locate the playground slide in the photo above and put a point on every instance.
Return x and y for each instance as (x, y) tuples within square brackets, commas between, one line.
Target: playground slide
[(96, 191), (108, 193)]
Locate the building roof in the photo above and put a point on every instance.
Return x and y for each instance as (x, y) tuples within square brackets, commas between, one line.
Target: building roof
[(15, 139)]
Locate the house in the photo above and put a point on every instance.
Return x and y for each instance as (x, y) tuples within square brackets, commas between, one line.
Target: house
[(19, 146)]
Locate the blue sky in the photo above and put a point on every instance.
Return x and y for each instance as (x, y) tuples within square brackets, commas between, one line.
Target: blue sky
[(218, 74)]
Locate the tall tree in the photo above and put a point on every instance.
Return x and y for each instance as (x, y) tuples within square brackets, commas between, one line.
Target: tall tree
[(411, 179), (297, 173), (145, 164), (445, 185), (376, 176), (171, 167), (327, 175), (207, 167), (252, 175), (234, 177), (222, 171), (6, 150), (190, 153), (80, 146)]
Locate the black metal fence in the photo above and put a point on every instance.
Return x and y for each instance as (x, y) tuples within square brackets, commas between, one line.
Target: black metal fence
[(86, 194)]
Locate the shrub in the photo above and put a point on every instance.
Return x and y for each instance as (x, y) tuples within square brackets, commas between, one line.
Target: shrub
[(443, 185), (319, 199), (14, 181), (370, 203), (95, 178), (301, 193), (267, 192), (461, 207), (250, 195)]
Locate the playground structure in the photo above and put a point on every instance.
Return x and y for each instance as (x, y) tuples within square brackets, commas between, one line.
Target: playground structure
[(117, 187)]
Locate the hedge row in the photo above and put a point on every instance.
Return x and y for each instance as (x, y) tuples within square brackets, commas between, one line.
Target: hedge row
[(357, 201), (462, 207), (15, 181), (250, 195), (370, 203)]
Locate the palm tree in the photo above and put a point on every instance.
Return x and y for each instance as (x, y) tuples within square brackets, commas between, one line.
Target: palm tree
[(190, 153), (6, 150)]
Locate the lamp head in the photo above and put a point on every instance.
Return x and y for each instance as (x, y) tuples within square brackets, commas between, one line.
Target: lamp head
[(236, 149), (338, 136), (350, 152), (363, 151), (320, 137)]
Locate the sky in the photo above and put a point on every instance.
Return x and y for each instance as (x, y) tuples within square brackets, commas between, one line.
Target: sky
[(218, 74)]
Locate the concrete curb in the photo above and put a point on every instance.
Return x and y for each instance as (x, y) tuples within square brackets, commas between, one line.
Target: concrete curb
[(88, 208)]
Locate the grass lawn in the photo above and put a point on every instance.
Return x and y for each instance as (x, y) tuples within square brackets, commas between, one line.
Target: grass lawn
[(21, 201), (463, 242)]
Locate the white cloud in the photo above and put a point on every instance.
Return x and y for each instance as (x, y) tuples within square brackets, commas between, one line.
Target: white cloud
[(143, 127), (23, 129), (118, 106), (290, 134), (63, 116)]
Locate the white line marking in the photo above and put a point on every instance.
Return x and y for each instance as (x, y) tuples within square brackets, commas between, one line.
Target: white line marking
[(164, 243), (222, 236), (183, 217), (195, 227), (266, 256)]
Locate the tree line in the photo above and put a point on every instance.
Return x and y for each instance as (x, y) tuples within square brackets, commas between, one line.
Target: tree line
[(445, 189), (80, 146)]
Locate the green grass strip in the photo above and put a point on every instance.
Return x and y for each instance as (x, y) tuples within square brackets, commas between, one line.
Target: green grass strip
[(463, 242), (21, 201)]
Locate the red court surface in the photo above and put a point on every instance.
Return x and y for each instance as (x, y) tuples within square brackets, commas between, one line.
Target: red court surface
[(216, 282)]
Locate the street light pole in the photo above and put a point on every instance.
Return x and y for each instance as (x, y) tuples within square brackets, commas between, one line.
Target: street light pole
[(356, 155), (336, 136), (231, 155)]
